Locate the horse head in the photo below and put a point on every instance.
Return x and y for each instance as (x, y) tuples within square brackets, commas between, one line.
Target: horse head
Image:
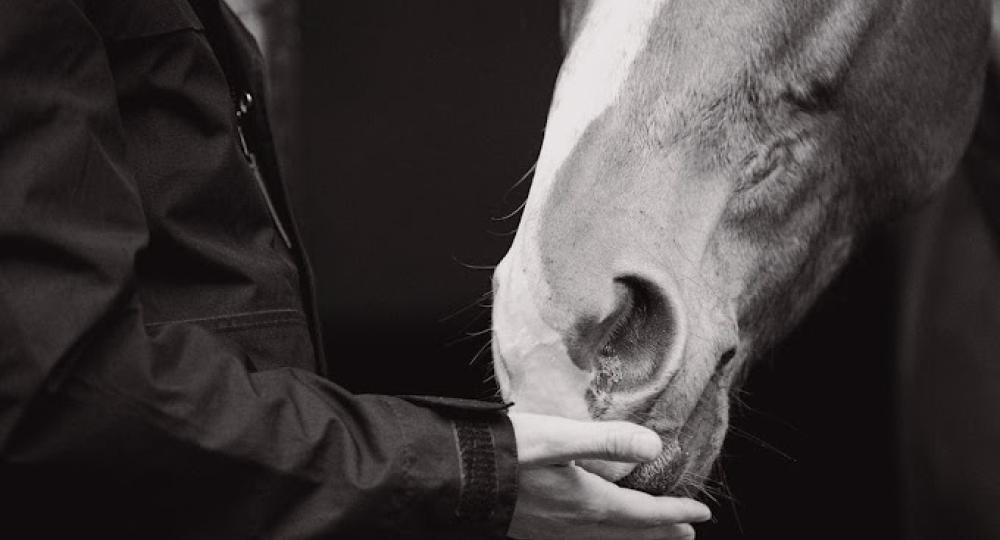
[(707, 166)]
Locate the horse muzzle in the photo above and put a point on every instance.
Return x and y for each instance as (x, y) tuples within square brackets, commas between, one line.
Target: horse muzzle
[(584, 341)]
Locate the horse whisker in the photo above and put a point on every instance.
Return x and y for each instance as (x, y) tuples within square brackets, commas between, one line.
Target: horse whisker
[(512, 214), (527, 174), (480, 351), (475, 303), (470, 266)]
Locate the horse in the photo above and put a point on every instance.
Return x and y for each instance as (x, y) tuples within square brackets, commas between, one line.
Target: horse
[(707, 168)]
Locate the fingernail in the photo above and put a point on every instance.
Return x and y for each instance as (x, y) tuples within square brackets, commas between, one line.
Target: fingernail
[(704, 515), (648, 444)]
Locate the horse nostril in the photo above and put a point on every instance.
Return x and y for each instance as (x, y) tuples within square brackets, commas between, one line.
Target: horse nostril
[(629, 313), (635, 338)]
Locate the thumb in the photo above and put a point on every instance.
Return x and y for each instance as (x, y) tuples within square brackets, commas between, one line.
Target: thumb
[(547, 440)]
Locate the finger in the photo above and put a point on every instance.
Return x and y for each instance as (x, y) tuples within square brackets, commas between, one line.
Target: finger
[(680, 531), (568, 502), (631, 508), (560, 440), (677, 531), (611, 471)]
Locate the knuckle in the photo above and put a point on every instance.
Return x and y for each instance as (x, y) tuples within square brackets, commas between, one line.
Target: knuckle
[(599, 515), (596, 513), (618, 441)]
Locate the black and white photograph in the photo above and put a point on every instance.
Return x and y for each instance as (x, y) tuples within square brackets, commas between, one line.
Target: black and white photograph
[(513, 270)]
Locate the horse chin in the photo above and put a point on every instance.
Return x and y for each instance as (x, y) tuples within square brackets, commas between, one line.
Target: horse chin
[(674, 473), (685, 463)]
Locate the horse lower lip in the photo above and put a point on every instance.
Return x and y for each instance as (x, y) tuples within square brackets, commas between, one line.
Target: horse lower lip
[(661, 475), (666, 474)]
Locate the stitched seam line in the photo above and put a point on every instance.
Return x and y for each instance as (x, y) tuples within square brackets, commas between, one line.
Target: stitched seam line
[(235, 318), (480, 491), (257, 324)]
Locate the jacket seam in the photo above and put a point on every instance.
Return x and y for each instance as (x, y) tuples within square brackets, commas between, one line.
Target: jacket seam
[(257, 324), (298, 317), (154, 34)]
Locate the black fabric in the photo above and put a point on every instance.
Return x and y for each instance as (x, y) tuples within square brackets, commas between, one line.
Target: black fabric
[(949, 379), (159, 365)]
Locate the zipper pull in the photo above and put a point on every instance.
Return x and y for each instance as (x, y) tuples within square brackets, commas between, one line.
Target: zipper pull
[(247, 153), (243, 107), (261, 186)]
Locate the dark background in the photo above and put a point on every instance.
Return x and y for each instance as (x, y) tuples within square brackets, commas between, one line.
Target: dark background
[(415, 121)]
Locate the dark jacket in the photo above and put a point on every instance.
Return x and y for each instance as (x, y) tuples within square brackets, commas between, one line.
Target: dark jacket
[(160, 370), (948, 383)]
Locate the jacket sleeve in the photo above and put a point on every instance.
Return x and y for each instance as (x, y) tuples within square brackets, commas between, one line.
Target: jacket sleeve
[(106, 429)]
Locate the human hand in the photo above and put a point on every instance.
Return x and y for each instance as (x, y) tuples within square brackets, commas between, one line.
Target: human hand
[(559, 500)]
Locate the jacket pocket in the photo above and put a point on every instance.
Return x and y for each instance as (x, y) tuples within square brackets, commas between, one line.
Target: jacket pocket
[(269, 339), (131, 19)]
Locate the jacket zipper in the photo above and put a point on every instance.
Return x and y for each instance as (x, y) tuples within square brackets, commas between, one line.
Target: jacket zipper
[(241, 111)]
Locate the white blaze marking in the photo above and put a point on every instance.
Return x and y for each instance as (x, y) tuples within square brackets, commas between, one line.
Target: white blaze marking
[(614, 32), (542, 377)]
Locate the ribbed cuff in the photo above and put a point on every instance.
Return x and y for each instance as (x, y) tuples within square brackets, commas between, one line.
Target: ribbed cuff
[(489, 476), (487, 455)]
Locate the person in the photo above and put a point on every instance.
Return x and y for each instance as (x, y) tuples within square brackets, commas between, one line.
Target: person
[(161, 373)]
